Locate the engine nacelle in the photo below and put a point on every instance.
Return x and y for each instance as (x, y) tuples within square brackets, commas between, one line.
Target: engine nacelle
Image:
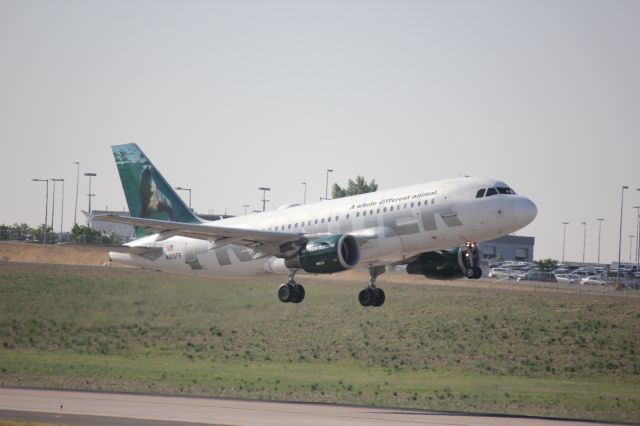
[(446, 264), (327, 255)]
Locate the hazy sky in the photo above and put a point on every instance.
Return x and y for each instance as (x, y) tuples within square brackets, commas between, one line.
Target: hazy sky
[(226, 96)]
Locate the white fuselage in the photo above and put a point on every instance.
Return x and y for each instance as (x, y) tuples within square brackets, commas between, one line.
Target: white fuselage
[(394, 225)]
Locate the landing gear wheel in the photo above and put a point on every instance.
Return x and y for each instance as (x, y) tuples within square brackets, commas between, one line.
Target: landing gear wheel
[(379, 297), (285, 292), (470, 273), (477, 272), (366, 297), (298, 293)]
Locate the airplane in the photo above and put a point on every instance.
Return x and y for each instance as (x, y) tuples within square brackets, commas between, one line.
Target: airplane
[(432, 228)]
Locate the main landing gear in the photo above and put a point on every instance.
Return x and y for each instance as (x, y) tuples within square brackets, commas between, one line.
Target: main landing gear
[(291, 291), (372, 296)]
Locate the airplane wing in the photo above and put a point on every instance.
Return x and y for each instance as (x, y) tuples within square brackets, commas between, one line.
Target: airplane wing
[(220, 235)]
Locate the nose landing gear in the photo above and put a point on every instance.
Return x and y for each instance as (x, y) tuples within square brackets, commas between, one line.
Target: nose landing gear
[(471, 261)]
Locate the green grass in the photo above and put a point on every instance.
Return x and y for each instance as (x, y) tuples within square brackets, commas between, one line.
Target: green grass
[(545, 353)]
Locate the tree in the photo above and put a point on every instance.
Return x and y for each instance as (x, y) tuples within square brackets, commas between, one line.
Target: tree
[(546, 265), (85, 234), (359, 186)]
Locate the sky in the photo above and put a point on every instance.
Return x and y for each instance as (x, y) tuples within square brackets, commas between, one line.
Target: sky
[(227, 96)]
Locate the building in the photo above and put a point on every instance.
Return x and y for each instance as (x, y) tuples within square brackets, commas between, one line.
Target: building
[(508, 247)]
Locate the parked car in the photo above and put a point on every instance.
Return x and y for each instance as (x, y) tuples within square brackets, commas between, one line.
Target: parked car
[(534, 275), (568, 278), (498, 273), (595, 281)]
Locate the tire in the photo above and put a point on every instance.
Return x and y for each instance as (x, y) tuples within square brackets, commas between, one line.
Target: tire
[(379, 297), (477, 272), (298, 293), (366, 297), (285, 292), (470, 273)]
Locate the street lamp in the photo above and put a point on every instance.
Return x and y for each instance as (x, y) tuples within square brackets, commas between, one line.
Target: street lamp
[(584, 240), (61, 208), (599, 233), (179, 188), (637, 229), (90, 175), (630, 245), (620, 237), (564, 238), (264, 196), (246, 206), (75, 210), (305, 192), (326, 189), (46, 209)]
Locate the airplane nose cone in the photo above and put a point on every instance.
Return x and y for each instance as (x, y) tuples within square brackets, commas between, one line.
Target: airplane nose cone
[(524, 211)]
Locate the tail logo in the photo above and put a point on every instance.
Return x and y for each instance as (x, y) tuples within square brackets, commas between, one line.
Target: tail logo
[(153, 201)]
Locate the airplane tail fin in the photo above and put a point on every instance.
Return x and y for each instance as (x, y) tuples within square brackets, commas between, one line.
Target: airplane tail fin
[(148, 193)]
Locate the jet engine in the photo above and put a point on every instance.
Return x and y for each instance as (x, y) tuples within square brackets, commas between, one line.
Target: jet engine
[(448, 264), (326, 255)]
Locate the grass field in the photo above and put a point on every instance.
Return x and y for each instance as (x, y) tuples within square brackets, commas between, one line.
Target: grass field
[(443, 347)]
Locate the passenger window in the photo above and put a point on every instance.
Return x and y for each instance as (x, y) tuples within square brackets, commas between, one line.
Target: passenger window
[(370, 212), (411, 205), (337, 218), (309, 223), (364, 213), (384, 210), (289, 227), (391, 208), (480, 193), (322, 221), (491, 191), (296, 225), (348, 215), (433, 201), (316, 221), (378, 211), (357, 214), (329, 220)]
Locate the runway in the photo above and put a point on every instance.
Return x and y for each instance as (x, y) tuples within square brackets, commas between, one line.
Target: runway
[(113, 408)]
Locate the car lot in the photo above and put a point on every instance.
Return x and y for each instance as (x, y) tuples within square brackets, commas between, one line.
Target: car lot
[(582, 275)]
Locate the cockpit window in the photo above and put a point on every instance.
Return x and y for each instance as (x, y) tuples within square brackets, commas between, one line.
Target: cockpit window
[(506, 190), (491, 191), (480, 193)]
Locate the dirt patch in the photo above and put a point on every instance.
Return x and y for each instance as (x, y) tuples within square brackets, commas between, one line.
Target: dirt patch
[(63, 254)]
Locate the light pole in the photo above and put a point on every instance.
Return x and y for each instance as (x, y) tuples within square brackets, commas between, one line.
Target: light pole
[(637, 229), (246, 206), (564, 238), (599, 234), (264, 196), (326, 189), (53, 208), (584, 240), (62, 207), (630, 245), (75, 210), (305, 192), (46, 209), (179, 188), (90, 195), (620, 237)]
